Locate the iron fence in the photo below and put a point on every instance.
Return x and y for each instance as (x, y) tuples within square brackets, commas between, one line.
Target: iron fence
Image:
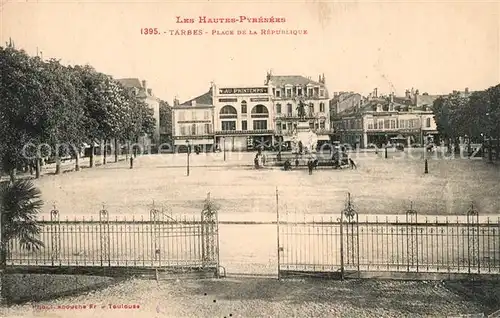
[(157, 242), (407, 244)]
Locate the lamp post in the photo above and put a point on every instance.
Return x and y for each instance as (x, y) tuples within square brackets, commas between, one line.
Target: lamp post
[(188, 153), (224, 144)]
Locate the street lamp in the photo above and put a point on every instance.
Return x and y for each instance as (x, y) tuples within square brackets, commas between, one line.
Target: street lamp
[(188, 153), (224, 144)]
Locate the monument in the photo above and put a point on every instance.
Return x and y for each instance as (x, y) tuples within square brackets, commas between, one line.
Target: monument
[(304, 140)]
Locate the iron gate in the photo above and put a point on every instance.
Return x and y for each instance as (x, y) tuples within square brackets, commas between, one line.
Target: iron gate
[(405, 244)]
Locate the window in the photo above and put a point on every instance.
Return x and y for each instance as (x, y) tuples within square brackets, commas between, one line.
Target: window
[(322, 124), (259, 109), (244, 125), (370, 125), (321, 92), (228, 110), (244, 107), (375, 125), (193, 129), (311, 109), (380, 124), (290, 126), (207, 129), (393, 124), (193, 114), (309, 92), (278, 108), (322, 107), (289, 109), (299, 91), (284, 126), (228, 125), (386, 124), (260, 124), (401, 124), (206, 115), (428, 122), (278, 93), (183, 130), (288, 92)]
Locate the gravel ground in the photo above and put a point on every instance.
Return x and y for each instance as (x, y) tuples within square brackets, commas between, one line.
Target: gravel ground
[(247, 194), (250, 297)]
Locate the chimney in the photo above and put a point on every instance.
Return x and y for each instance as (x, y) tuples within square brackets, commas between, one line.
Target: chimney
[(150, 92), (466, 90), (193, 103), (407, 93), (391, 97), (176, 101), (375, 93), (144, 84)]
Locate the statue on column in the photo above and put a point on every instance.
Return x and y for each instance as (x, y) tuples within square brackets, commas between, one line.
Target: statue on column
[(301, 109)]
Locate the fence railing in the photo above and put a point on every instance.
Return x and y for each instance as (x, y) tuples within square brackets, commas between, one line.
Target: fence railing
[(159, 241), (406, 244)]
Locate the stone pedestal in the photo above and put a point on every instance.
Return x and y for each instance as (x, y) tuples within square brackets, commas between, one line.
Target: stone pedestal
[(306, 136)]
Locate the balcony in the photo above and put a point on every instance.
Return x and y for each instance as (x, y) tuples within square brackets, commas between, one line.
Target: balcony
[(294, 116), (321, 132), (244, 132)]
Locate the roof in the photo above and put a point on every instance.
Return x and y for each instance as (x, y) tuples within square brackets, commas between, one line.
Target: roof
[(426, 99), (344, 96), (297, 80), (130, 82), (205, 99)]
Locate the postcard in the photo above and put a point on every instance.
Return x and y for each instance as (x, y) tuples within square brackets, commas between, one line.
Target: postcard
[(296, 158)]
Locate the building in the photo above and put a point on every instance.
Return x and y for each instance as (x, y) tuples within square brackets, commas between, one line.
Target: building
[(344, 100), (243, 117), (287, 92), (192, 121), (379, 118), (146, 94)]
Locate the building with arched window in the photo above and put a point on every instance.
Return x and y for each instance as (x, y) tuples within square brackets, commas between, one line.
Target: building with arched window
[(291, 90), (243, 118)]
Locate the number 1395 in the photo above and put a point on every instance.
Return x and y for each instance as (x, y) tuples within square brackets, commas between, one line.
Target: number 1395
[(148, 31)]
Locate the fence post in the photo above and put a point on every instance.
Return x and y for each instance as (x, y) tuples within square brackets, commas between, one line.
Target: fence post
[(55, 230), (473, 238), (410, 238), (104, 234), (278, 232), (153, 215), (341, 220)]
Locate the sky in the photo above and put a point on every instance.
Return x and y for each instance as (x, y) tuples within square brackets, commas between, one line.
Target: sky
[(436, 47)]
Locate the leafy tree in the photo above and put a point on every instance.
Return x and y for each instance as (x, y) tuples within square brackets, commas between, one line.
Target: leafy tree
[(166, 118), (21, 92), (95, 110)]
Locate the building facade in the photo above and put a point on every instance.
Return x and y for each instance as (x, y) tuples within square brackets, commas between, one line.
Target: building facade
[(378, 119), (145, 94), (287, 92), (243, 118), (192, 123)]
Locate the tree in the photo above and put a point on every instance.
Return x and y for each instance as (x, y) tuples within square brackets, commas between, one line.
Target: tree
[(94, 109), (22, 94), (20, 204), (166, 119)]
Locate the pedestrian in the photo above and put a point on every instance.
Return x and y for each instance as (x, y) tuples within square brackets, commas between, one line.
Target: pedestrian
[(310, 166), (352, 164), (287, 165)]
